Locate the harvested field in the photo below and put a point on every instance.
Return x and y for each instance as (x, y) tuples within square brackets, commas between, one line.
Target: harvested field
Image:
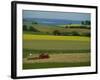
[(78, 57), (58, 60)]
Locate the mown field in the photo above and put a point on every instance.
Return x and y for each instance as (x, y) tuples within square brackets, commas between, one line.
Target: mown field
[(64, 51), (58, 60)]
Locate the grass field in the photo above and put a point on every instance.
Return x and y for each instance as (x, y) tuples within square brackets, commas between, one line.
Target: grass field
[(55, 42), (54, 65), (69, 57), (58, 60), (64, 51), (52, 37), (59, 40), (51, 28)]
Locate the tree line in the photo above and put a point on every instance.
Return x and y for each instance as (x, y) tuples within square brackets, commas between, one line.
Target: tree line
[(57, 32), (30, 28), (73, 33)]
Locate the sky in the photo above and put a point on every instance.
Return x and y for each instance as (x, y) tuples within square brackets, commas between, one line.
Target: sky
[(56, 15)]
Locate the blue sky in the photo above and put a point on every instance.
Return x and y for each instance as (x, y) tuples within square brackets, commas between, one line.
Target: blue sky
[(56, 15)]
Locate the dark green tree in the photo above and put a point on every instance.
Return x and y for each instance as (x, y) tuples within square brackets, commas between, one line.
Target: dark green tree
[(87, 34), (56, 32), (75, 33), (31, 28), (82, 22), (24, 28), (87, 22), (34, 22)]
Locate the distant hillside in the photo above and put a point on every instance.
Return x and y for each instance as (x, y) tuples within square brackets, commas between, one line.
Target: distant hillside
[(51, 21), (51, 28), (56, 27)]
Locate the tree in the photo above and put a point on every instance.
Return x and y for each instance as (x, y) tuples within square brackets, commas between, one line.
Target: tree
[(31, 28), (24, 28), (74, 33), (56, 32), (87, 22), (66, 34), (87, 34), (82, 22), (34, 22)]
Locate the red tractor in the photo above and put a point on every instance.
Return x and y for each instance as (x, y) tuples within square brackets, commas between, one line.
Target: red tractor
[(41, 56), (44, 56)]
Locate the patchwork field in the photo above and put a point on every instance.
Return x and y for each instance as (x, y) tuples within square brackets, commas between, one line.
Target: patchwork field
[(53, 39), (64, 51), (61, 28)]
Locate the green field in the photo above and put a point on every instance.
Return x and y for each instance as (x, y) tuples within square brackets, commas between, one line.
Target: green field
[(58, 60), (61, 39), (55, 42), (55, 45), (50, 28), (53, 37), (54, 65)]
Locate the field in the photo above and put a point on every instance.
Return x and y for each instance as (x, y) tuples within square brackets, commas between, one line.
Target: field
[(64, 51), (53, 39), (55, 42), (51, 28), (50, 37), (59, 60)]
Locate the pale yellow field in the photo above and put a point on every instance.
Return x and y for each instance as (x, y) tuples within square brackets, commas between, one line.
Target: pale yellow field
[(52, 37)]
